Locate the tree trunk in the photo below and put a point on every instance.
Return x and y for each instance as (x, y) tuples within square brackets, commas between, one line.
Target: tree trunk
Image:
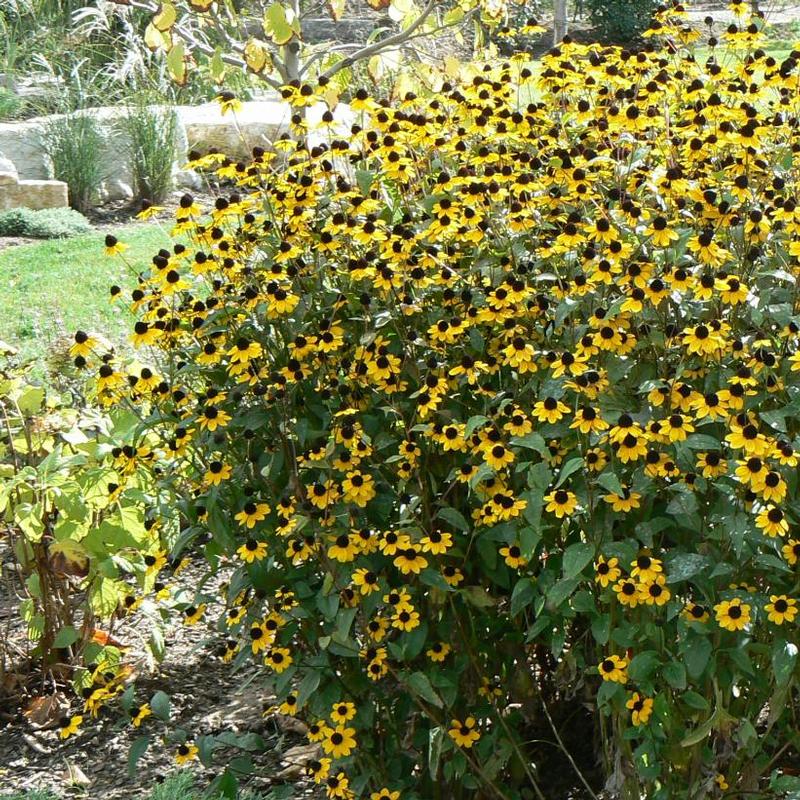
[(559, 21)]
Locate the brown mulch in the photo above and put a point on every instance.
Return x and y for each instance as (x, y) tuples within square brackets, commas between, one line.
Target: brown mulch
[(207, 698)]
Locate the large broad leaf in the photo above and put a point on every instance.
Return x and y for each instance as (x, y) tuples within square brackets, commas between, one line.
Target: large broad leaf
[(336, 8), (176, 63), (165, 17), (576, 557), (257, 56), (419, 683), (277, 25)]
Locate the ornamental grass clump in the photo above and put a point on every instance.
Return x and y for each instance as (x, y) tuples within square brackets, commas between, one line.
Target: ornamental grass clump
[(486, 413)]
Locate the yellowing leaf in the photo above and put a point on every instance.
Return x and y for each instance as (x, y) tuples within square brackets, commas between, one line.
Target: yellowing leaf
[(257, 56), (156, 39), (378, 5), (336, 8), (277, 25), (68, 557), (165, 17), (200, 5), (176, 63)]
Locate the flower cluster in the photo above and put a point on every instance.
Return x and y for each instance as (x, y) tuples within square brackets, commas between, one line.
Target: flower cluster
[(413, 382)]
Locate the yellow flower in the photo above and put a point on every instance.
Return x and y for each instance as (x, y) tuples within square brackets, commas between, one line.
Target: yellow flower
[(343, 712), (438, 651), (641, 708), (339, 742), (464, 733), (228, 102), (185, 753), (68, 726), (252, 513), (193, 614), (385, 794), (358, 488), (279, 658), (733, 615), (561, 502), (139, 713), (252, 551), (113, 247), (512, 555), (781, 609), (614, 668), (606, 572)]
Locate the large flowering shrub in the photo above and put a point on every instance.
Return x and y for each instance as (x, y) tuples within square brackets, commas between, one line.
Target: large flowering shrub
[(489, 410)]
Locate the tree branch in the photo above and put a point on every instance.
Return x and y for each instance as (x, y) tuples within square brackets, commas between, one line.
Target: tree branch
[(390, 41)]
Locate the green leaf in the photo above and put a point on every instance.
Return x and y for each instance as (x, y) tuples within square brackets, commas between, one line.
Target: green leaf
[(418, 681), (576, 557), (65, 637), (137, 750), (696, 653), (784, 659), (561, 591), (695, 700), (307, 687), (610, 482), (523, 594), (684, 566), (455, 518), (643, 665), (478, 596), (435, 742), (573, 465), (159, 704), (675, 674), (533, 441)]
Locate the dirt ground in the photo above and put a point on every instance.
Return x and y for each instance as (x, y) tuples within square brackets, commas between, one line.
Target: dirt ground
[(207, 698)]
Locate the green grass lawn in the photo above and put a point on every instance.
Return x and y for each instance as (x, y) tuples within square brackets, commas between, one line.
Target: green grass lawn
[(50, 289)]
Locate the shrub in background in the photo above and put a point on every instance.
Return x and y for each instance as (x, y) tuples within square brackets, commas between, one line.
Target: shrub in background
[(73, 142), (487, 416), (620, 21), (48, 223), (151, 135), (80, 543)]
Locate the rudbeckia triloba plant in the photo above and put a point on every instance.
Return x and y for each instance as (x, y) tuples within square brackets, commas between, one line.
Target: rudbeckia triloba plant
[(489, 410)]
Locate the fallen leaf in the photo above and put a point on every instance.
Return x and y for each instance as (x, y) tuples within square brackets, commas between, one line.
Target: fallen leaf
[(74, 775), (45, 711)]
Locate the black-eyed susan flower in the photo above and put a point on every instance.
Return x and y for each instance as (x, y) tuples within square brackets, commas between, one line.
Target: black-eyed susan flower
[(512, 555), (340, 742), (193, 614), (733, 615), (781, 609), (561, 502), (252, 513), (139, 713), (252, 550), (68, 726), (385, 794), (640, 707), (114, 247), (627, 592), (185, 753), (342, 712), (791, 551), (606, 572), (279, 658), (613, 668), (695, 612), (464, 734), (438, 651), (366, 581)]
